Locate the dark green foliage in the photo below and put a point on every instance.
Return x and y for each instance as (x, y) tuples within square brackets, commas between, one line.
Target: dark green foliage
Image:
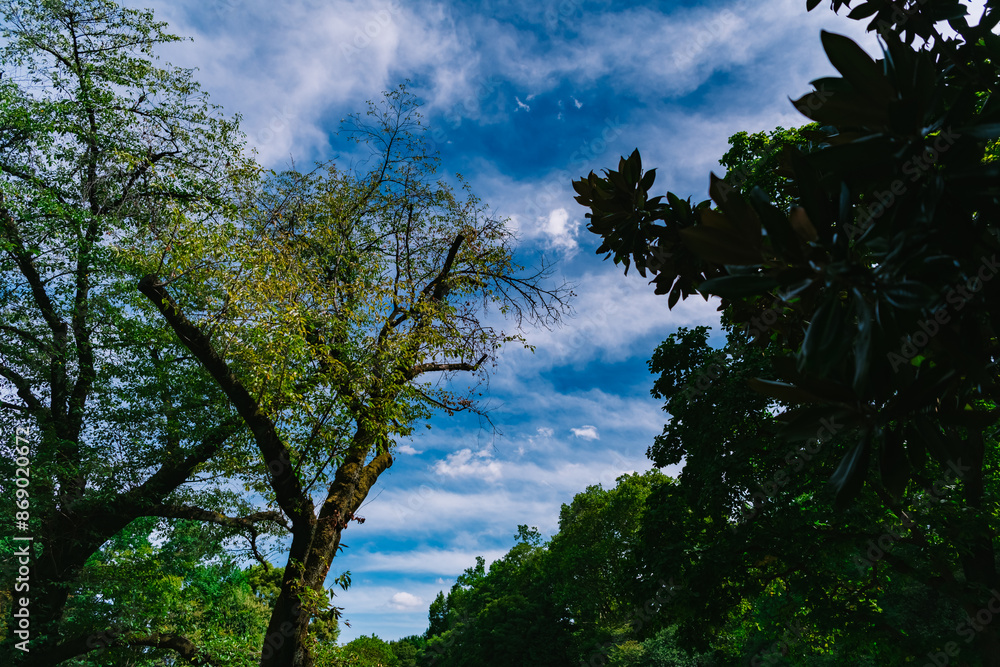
[(871, 250), (754, 160), (503, 616), (407, 649), (563, 602), (186, 584), (370, 652)]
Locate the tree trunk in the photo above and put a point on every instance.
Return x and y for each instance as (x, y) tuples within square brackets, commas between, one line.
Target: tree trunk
[(286, 643)]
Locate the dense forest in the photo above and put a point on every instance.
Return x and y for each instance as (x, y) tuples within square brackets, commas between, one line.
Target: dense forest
[(197, 352)]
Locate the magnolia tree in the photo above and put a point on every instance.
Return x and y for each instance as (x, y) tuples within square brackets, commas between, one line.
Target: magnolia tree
[(871, 286)]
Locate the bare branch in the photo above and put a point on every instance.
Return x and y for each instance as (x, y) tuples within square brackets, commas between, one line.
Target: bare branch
[(198, 514), (446, 367), (83, 644)]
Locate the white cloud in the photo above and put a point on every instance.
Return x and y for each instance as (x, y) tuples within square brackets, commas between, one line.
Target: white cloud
[(614, 314), (446, 562), (293, 69), (285, 66), (466, 463), (404, 600), (558, 230)]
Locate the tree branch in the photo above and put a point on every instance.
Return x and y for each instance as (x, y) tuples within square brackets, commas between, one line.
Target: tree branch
[(23, 389), (446, 367), (184, 647), (26, 335), (435, 290), (436, 287), (288, 492), (199, 514), (149, 495), (83, 644), (27, 267)]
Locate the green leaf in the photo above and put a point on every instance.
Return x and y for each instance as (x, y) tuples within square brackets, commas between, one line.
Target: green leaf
[(736, 209), (647, 180), (824, 331), (843, 109), (863, 340), (849, 477), (783, 239), (719, 246), (909, 295), (857, 66), (863, 11)]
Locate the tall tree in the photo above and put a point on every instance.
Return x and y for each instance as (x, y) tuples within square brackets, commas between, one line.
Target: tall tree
[(884, 272), (99, 145), (329, 317)]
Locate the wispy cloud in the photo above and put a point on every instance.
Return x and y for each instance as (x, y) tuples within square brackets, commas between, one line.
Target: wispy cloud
[(466, 463), (404, 600), (586, 432), (577, 410)]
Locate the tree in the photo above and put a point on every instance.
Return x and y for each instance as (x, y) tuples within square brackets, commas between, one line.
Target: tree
[(567, 601), (370, 652), (177, 324), (407, 649), (883, 275), (594, 563), (321, 320), (187, 585), (745, 532), (97, 141)]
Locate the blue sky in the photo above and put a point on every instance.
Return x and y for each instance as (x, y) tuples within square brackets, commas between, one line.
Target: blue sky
[(520, 98)]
